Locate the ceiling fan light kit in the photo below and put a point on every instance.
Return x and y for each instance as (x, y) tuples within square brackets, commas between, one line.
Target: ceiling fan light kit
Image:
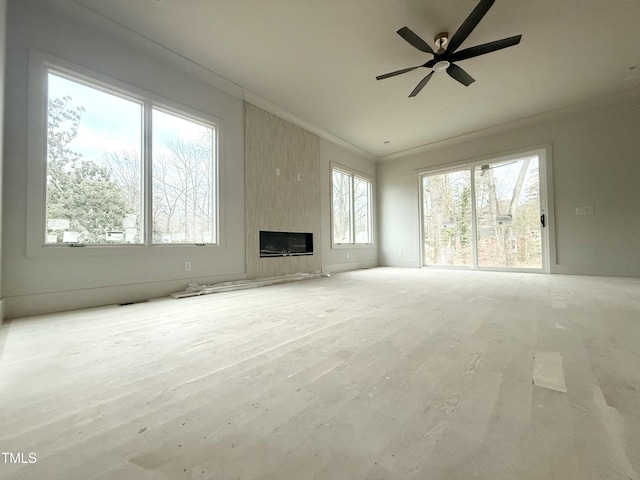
[(440, 41), (446, 49), (440, 66)]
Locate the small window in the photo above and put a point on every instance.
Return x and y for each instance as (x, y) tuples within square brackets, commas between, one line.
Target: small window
[(98, 160), (351, 208)]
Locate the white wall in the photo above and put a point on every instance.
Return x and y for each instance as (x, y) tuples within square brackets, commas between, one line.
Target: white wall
[(596, 162), (34, 283), (335, 259)]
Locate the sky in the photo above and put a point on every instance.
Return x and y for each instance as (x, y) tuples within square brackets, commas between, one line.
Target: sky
[(505, 175), (114, 123)]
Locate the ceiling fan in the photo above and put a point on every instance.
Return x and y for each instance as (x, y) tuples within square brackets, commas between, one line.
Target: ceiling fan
[(446, 53)]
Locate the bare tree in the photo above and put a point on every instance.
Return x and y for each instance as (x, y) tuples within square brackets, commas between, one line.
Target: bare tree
[(183, 180), (341, 207), (183, 187), (126, 171)]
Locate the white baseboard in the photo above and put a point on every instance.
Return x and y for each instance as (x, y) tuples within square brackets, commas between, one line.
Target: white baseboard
[(37, 304), (345, 267), (399, 262), (597, 270)]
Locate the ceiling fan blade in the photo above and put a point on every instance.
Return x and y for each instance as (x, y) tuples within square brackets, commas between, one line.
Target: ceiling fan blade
[(421, 85), (469, 24), (415, 40), (393, 74), (484, 48), (460, 75)]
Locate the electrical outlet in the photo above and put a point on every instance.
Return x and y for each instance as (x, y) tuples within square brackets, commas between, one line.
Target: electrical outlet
[(298, 177), (399, 253), (348, 255), (187, 266), (277, 172)]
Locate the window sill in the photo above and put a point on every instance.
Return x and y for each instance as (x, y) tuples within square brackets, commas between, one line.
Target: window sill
[(66, 251)]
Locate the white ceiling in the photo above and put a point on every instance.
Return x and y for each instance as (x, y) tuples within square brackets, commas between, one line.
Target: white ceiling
[(318, 59)]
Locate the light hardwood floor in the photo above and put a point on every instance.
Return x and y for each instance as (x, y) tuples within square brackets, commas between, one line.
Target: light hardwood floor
[(377, 374)]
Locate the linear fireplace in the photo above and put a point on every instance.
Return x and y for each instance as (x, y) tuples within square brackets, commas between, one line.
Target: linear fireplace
[(285, 244)]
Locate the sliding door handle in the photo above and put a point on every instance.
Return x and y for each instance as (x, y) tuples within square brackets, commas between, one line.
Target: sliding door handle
[(542, 220)]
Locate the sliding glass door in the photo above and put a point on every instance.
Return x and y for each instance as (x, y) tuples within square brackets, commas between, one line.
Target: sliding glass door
[(486, 216), (446, 219), (508, 214)]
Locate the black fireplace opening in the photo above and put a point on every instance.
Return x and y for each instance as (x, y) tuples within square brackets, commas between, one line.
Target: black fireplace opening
[(285, 244)]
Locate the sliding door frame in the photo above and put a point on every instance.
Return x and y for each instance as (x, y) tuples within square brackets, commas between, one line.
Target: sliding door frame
[(548, 248)]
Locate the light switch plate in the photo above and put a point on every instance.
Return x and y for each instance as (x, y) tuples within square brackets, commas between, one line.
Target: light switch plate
[(584, 210)]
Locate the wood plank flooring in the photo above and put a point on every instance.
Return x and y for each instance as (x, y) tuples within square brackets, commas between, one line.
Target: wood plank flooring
[(377, 374)]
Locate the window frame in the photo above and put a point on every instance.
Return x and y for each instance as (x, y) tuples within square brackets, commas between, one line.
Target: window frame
[(40, 65), (353, 175)]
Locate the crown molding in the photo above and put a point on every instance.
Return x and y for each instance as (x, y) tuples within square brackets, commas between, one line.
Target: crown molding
[(520, 123), (291, 117), (93, 19), (78, 12)]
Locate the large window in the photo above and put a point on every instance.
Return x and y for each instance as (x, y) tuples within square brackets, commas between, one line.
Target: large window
[(351, 208), (183, 172), (122, 169)]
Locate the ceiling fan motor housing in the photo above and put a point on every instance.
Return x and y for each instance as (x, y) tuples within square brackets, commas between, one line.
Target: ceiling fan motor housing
[(446, 53)]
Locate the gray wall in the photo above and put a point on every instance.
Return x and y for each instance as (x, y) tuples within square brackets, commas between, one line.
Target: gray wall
[(341, 258), (38, 283), (280, 203), (596, 162), (35, 283), (3, 31)]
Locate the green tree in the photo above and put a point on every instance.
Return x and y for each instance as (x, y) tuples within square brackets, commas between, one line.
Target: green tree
[(78, 190)]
